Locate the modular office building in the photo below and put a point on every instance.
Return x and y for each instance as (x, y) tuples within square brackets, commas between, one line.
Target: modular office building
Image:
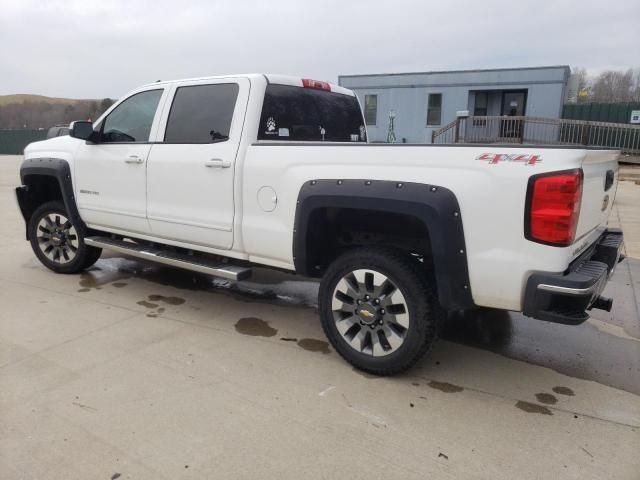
[(424, 102)]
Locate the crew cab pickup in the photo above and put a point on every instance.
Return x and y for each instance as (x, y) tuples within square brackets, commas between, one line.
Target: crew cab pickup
[(219, 174)]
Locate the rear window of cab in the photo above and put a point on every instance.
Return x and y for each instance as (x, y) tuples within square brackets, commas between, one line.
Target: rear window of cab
[(291, 113)]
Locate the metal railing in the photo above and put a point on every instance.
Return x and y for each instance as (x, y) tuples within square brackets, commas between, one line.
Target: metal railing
[(540, 131)]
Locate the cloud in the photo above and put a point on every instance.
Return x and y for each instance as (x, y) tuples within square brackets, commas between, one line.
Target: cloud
[(105, 48)]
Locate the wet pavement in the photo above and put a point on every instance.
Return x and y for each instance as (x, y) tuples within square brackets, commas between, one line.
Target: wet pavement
[(589, 351), (134, 370)]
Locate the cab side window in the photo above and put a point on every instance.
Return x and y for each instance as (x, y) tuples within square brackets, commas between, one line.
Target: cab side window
[(131, 120)]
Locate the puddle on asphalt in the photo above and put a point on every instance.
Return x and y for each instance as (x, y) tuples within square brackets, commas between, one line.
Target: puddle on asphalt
[(563, 391), (167, 300), (581, 351), (95, 278), (546, 398), (445, 387), (533, 408), (314, 345), (255, 327), (158, 309), (144, 303)]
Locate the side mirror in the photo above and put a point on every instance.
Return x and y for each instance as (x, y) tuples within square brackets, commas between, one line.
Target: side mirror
[(81, 129)]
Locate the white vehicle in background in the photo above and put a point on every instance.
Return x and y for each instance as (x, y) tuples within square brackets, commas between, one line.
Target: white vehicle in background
[(219, 174)]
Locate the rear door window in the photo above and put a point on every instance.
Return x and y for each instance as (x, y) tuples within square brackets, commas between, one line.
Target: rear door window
[(291, 113), (201, 113)]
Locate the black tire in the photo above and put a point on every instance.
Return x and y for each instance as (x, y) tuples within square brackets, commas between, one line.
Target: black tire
[(57, 243), (406, 274)]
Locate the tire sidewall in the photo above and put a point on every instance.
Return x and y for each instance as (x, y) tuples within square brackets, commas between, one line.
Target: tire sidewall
[(421, 325), (78, 262)]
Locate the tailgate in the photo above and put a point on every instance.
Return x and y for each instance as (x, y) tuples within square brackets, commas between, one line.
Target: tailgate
[(600, 168)]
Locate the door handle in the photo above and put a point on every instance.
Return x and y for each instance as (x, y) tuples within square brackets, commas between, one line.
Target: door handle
[(133, 159), (217, 163)]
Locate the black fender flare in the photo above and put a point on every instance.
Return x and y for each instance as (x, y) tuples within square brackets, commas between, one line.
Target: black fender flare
[(435, 206), (50, 167)]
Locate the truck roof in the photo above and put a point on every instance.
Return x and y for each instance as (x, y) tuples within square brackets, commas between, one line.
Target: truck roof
[(269, 77)]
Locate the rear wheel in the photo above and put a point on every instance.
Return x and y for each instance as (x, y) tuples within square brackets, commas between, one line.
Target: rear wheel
[(378, 309), (56, 241)]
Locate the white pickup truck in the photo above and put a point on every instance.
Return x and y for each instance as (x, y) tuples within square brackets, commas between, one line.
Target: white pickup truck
[(219, 174)]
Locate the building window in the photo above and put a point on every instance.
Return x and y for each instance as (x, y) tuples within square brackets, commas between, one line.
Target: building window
[(434, 109), (370, 109), (480, 105)]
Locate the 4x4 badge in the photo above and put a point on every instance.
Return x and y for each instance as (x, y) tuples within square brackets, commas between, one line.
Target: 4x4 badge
[(495, 158)]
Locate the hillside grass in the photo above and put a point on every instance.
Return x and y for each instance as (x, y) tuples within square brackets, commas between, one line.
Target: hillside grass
[(27, 98)]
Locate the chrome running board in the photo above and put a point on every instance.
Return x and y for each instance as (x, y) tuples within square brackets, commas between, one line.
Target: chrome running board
[(174, 259)]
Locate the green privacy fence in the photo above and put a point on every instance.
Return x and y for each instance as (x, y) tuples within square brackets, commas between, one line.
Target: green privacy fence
[(12, 142), (600, 112)]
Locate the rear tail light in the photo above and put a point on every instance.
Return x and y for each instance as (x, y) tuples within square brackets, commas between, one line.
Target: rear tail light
[(553, 207), (317, 84)]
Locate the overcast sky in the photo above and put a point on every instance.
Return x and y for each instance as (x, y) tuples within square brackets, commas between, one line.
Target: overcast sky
[(96, 49)]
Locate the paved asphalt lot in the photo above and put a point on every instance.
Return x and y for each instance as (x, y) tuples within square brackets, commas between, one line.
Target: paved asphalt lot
[(137, 371)]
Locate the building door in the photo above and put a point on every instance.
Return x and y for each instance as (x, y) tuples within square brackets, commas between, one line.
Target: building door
[(514, 103)]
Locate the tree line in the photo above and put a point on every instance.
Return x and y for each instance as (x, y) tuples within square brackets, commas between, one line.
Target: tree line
[(40, 113), (609, 86)]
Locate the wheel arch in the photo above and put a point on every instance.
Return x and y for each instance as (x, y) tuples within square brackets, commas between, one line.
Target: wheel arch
[(421, 209), (45, 179)]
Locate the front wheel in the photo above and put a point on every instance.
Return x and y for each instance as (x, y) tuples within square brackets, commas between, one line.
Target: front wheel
[(378, 309), (56, 241)]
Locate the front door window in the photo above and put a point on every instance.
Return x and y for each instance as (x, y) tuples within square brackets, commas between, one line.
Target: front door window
[(131, 120)]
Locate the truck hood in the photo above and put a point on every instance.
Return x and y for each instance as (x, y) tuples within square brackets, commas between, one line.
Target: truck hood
[(62, 146)]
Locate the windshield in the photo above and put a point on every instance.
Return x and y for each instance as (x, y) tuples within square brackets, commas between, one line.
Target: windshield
[(291, 113)]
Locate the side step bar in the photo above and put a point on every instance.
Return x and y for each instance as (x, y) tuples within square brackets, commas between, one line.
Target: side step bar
[(188, 262)]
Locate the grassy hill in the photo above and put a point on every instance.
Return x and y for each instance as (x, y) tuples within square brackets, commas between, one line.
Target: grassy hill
[(28, 98), (25, 111)]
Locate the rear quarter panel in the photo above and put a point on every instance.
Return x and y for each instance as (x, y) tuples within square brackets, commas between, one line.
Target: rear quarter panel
[(491, 196)]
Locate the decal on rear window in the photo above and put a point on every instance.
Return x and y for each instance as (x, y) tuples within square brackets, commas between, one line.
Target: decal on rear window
[(271, 127)]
